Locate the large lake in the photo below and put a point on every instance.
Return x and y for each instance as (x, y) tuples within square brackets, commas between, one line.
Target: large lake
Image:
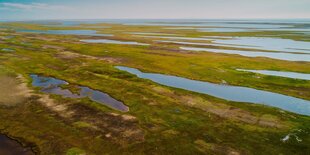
[(208, 25)]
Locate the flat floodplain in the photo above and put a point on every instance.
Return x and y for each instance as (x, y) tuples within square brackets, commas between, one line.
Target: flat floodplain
[(156, 86)]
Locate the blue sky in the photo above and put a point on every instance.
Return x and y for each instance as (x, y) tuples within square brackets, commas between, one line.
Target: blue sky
[(152, 9)]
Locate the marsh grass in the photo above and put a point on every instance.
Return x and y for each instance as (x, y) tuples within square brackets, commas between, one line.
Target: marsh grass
[(173, 121)]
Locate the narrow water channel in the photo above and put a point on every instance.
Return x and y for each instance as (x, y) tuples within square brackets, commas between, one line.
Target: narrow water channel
[(227, 92)]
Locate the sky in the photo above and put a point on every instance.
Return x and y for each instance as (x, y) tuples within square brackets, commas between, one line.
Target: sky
[(153, 9)]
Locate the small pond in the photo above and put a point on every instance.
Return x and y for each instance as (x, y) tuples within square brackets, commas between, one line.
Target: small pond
[(293, 75), (66, 32), (273, 55), (274, 44), (9, 146), (7, 50), (108, 41), (225, 29), (53, 86), (176, 38), (152, 33)]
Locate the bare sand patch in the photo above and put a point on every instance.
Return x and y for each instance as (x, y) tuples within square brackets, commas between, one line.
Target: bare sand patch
[(212, 148), (12, 90)]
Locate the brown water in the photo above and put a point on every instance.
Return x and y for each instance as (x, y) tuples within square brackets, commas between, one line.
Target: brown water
[(9, 146)]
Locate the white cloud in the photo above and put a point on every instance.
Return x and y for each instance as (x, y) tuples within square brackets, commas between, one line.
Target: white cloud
[(32, 6)]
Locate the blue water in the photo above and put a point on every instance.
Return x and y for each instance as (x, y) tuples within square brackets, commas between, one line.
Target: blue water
[(258, 43), (175, 38), (234, 24), (65, 22), (275, 44), (152, 33), (293, 75), (217, 25), (9, 37), (52, 86), (209, 25), (7, 50), (225, 29), (222, 24), (66, 32), (273, 55), (108, 41), (231, 93), (204, 44)]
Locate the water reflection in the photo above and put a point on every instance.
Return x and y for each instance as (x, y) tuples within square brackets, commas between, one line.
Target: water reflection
[(273, 55), (293, 75), (275, 44), (9, 146), (7, 50), (231, 93), (107, 41), (54, 86), (65, 32)]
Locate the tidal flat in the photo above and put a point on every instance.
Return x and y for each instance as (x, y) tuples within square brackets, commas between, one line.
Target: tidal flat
[(60, 95)]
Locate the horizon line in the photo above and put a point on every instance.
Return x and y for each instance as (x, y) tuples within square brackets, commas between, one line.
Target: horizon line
[(79, 19)]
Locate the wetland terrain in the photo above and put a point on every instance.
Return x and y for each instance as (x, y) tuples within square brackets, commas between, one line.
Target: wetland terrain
[(95, 87)]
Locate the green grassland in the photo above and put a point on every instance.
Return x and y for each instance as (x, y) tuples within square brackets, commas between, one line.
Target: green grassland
[(161, 120)]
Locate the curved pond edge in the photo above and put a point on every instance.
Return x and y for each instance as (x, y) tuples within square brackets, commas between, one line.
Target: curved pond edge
[(52, 85), (253, 54), (292, 75), (227, 92), (17, 146)]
